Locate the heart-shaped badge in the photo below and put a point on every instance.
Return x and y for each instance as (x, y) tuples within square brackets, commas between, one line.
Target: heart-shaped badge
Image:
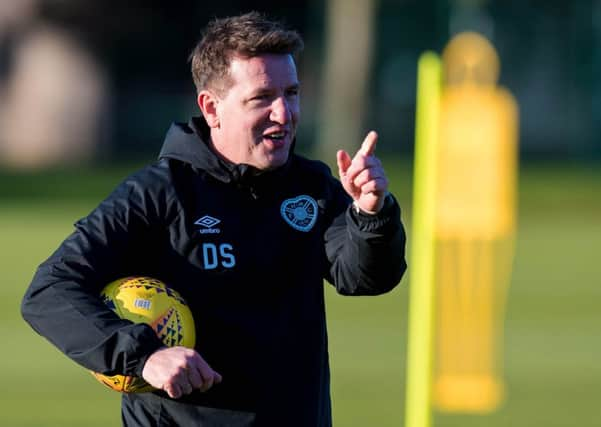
[(300, 212)]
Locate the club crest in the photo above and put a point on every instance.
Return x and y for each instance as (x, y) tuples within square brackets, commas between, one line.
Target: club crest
[(300, 212)]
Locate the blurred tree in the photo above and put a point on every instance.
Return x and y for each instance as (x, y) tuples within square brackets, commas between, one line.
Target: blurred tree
[(347, 64), (594, 72), (53, 104)]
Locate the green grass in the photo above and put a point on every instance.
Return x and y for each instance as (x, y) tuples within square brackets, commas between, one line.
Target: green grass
[(553, 318), (40, 386)]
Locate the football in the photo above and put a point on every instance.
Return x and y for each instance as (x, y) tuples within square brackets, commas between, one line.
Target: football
[(148, 300)]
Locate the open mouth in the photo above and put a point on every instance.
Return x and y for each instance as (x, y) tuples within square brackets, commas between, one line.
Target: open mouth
[(275, 136), (276, 139)]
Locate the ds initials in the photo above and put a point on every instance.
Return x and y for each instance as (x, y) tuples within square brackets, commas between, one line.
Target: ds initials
[(213, 256)]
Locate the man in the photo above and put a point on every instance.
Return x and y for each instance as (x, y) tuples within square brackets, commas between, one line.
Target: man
[(280, 225)]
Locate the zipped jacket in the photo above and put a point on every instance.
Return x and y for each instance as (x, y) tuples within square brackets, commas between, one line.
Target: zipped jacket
[(248, 251)]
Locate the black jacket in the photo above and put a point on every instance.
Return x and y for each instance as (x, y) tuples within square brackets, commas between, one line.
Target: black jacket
[(248, 251)]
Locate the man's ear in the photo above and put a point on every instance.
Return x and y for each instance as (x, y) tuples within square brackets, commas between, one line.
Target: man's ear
[(207, 102)]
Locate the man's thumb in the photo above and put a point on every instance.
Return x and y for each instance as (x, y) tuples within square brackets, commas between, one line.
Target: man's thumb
[(344, 161)]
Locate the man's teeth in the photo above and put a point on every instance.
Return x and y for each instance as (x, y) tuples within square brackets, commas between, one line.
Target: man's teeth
[(277, 135)]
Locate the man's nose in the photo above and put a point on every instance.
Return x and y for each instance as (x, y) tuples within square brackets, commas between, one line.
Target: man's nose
[(280, 111)]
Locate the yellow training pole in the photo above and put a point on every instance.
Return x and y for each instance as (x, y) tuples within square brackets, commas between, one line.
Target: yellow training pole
[(419, 348)]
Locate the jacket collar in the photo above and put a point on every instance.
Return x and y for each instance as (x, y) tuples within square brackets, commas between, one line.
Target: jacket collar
[(188, 142)]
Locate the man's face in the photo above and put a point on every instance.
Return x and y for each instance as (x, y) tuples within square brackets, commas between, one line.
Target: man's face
[(258, 113)]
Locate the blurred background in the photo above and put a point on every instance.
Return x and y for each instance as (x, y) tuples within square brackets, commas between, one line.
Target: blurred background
[(88, 90)]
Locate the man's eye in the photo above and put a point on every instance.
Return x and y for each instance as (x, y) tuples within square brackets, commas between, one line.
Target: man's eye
[(293, 92)]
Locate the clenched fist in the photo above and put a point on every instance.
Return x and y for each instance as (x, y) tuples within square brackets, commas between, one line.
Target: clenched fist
[(178, 371)]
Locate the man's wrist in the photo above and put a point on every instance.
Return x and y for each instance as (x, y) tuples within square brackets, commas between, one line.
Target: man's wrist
[(359, 211)]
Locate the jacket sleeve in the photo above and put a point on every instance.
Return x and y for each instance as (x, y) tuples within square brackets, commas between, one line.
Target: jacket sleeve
[(63, 304), (366, 253)]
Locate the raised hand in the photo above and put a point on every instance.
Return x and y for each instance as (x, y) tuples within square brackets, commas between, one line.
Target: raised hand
[(363, 177), (178, 371)]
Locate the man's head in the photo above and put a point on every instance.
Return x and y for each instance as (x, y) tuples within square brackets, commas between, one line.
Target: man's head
[(248, 89), (244, 36)]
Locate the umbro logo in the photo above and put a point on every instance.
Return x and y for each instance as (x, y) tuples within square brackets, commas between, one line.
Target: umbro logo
[(208, 222)]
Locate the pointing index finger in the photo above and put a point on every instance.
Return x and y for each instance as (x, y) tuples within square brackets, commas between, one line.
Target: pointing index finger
[(369, 144)]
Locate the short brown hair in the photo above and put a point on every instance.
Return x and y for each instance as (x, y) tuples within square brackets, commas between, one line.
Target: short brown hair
[(247, 35)]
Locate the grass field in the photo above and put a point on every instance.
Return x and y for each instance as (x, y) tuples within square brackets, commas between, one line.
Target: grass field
[(553, 328)]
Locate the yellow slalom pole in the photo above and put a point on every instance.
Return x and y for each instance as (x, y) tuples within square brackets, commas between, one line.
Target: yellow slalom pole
[(420, 334)]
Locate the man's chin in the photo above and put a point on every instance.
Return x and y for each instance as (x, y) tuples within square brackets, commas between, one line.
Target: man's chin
[(273, 161)]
